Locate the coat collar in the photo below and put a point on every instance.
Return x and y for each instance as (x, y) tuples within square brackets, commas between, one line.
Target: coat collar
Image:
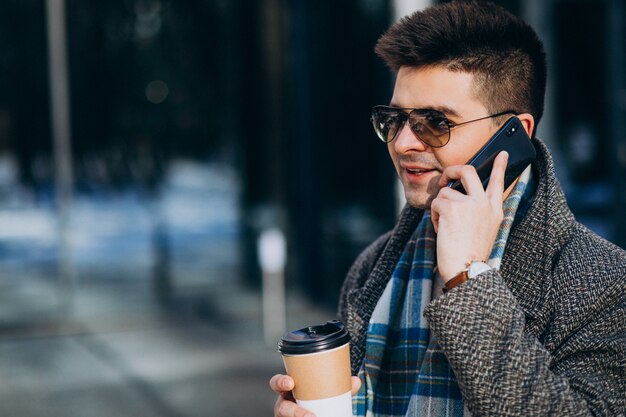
[(534, 244)]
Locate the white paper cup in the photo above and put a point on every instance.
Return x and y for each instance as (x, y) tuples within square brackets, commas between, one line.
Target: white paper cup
[(318, 360)]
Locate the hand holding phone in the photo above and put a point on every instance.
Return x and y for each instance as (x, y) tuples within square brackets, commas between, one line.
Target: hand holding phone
[(511, 137)]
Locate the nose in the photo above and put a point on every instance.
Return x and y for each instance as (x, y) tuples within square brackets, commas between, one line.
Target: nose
[(407, 141)]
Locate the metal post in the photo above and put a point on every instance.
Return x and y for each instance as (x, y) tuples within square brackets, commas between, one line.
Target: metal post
[(538, 13), (402, 8), (60, 115), (272, 250)]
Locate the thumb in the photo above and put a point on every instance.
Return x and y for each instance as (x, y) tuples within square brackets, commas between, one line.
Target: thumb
[(356, 384)]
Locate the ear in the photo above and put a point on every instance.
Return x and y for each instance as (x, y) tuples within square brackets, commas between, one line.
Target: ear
[(528, 121)]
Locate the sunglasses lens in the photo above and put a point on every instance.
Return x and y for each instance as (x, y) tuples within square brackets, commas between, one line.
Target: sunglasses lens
[(430, 127), (386, 122)]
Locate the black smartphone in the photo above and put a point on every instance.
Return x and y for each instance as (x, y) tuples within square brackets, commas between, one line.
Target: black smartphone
[(511, 137)]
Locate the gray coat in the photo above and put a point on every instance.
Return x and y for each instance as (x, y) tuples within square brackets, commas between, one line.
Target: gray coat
[(545, 335)]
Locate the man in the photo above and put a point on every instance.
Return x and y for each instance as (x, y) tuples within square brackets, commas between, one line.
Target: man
[(533, 320)]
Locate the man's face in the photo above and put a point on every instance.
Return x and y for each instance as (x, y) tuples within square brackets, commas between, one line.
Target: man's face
[(452, 93)]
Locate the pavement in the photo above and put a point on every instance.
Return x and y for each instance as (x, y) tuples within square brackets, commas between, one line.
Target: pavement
[(120, 353)]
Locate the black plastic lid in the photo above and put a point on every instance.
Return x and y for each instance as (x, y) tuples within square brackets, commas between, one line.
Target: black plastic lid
[(314, 339)]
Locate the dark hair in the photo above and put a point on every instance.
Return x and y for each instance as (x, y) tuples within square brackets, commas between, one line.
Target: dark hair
[(502, 51)]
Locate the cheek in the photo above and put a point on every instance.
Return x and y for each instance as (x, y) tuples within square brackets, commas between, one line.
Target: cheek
[(451, 155), (443, 158)]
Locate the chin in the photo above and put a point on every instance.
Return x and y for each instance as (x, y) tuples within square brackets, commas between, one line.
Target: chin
[(421, 197), (422, 202)]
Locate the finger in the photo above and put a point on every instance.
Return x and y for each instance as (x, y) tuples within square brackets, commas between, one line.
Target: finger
[(356, 385), (284, 408), (434, 214), (468, 176), (495, 188), (281, 383), (435, 219), (448, 193), (450, 173), (274, 383)]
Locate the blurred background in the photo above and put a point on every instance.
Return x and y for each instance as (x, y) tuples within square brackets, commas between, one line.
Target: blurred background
[(152, 150)]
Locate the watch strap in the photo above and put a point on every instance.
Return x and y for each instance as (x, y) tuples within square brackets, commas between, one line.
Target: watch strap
[(464, 275), (457, 280)]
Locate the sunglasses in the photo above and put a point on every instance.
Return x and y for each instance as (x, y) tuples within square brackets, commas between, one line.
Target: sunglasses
[(430, 126)]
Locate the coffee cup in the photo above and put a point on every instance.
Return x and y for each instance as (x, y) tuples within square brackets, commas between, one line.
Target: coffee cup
[(318, 360)]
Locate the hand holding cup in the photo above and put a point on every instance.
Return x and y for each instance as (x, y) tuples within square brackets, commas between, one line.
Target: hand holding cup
[(317, 361), (286, 406)]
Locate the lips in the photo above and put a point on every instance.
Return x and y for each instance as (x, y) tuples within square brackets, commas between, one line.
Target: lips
[(416, 173), (417, 169)]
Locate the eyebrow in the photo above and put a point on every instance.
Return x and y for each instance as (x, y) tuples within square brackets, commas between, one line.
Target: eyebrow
[(443, 109)]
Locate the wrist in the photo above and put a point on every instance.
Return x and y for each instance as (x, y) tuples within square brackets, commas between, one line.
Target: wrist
[(450, 272), (471, 270), (450, 267)]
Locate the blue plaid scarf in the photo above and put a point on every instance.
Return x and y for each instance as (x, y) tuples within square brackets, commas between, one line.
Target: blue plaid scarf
[(404, 371)]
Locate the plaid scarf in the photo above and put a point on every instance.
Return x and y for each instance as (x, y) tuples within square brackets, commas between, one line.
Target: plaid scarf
[(404, 371)]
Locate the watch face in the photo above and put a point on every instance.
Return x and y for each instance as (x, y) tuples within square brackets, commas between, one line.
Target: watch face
[(477, 268)]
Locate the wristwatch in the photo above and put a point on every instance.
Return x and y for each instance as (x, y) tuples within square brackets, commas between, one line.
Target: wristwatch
[(472, 269)]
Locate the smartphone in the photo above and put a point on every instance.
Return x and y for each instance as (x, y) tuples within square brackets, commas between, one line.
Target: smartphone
[(511, 137)]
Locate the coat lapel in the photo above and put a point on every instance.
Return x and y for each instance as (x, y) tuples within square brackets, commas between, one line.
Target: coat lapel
[(534, 244)]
